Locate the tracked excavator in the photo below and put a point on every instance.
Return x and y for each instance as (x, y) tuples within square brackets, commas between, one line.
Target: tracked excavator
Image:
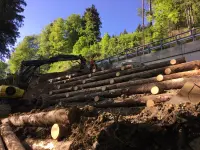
[(13, 87)]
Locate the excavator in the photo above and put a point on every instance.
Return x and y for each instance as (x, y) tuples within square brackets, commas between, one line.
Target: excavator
[(13, 87)]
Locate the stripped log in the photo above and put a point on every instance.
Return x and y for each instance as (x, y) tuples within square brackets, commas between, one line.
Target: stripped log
[(59, 131), (144, 74), (10, 139), (135, 102), (138, 89), (177, 61), (46, 144), (2, 147), (128, 84), (157, 90), (148, 72), (193, 65), (61, 116), (151, 66)]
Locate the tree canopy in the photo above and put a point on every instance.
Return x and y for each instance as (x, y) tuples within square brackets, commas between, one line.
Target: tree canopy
[(11, 20), (81, 34)]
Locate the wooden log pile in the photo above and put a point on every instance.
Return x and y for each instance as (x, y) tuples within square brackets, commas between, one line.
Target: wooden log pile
[(152, 79)]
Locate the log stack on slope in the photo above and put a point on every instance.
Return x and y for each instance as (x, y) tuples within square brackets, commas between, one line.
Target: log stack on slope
[(113, 83)]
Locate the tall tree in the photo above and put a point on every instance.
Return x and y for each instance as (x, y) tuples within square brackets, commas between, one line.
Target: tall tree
[(44, 42), (73, 26), (11, 20), (58, 38), (92, 24), (26, 50), (104, 44)]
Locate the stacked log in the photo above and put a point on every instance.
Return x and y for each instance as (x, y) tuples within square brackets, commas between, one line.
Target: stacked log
[(46, 118), (128, 84), (144, 74), (10, 139), (138, 89)]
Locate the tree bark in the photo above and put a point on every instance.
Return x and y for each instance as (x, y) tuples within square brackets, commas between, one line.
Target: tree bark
[(151, 66), (138, 89), (128, 73), (41, 144), (193, 65), (128, 84), (10, 139), (61, 116)]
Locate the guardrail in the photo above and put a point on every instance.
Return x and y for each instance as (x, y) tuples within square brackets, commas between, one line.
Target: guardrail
[(182, 38)]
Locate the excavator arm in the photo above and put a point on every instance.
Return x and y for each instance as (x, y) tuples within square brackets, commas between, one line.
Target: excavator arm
[(28, 68)]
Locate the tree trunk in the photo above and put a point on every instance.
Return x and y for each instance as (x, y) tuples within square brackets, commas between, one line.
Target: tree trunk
[(46, 118), (10, 139), (59, 131)]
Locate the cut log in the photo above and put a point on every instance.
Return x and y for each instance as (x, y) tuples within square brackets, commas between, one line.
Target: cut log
[(61, 91), (138, 89), (177, 61), (168, 71), (61, 116), (150, 67), (10, 139), (117, 74), (160, 77), (2, 147), (59, 131), (46, 144), (135, 102), (157, 90), (183, 67), (145, 74), (129, 83)]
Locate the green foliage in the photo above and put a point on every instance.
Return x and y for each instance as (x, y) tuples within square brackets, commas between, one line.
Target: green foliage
[(10, 10), (81, 34), (26, 50), (3, 67), (92, 25)]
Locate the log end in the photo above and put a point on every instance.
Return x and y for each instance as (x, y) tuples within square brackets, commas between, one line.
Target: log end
[(160, 77), (150, 103), (112, 81), (50, 93), (58, 87), (67, 94), (117, 74), (168, 71), (102, 69), (94, 70), (103, 88), (155, 90), (83, 81), (122, 68), (173, 62), (50, 81), (59, 131), (75, 88), (89, 75), (96, 98)]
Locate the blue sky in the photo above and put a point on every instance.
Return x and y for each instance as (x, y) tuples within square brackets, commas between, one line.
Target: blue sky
[(116, 15)]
